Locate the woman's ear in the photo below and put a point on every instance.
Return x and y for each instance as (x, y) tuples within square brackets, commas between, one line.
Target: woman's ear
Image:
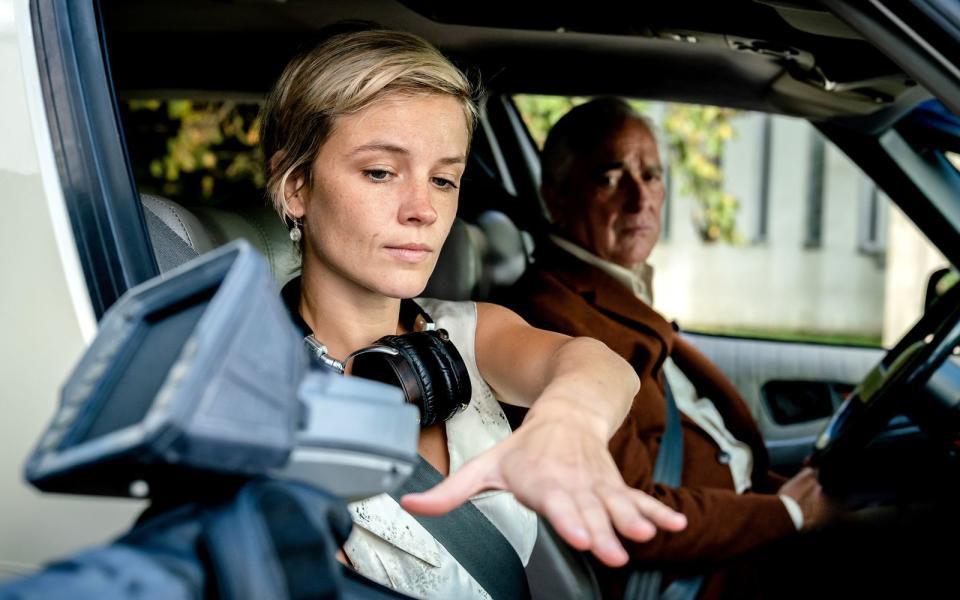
[(294, 193)]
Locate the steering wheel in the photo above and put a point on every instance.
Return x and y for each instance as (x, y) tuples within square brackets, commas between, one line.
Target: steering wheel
[(883, 393)]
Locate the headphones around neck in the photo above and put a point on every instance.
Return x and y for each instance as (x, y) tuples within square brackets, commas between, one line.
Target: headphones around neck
[(424, 363)]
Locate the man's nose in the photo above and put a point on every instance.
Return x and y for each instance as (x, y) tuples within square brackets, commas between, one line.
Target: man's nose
[(634, 193), (639, 194), (416, 207)]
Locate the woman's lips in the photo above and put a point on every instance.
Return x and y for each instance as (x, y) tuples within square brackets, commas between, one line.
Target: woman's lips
[(411, 253)]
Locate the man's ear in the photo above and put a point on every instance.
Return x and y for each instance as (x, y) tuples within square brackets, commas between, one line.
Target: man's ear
[(554, 203)]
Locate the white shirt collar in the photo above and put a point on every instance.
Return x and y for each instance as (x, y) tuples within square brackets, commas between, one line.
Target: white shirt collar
[(638, 280)]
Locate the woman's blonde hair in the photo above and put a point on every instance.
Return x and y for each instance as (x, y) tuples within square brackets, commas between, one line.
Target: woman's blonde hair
[(344, 75)]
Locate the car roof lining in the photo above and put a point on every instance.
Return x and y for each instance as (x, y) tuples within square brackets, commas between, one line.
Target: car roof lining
[(203, 48)]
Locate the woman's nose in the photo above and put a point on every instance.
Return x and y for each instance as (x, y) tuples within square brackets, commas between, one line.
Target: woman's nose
[(417, 208)]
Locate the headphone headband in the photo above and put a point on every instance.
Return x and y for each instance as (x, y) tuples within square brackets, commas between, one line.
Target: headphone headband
[(424, 363)]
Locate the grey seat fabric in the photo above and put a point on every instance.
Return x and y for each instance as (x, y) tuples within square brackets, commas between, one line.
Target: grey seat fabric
[(175, 234), (459, 266), (179, 234), (478, 258), (558, 572), (260, 225), (503, 251)]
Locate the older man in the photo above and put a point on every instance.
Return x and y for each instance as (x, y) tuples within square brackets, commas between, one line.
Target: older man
[(602, 183)]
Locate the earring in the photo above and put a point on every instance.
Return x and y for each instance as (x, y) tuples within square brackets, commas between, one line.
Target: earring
[(295, 233)]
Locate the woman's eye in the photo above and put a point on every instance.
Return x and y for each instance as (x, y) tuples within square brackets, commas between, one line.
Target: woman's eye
[(377, 175), (442, 182)]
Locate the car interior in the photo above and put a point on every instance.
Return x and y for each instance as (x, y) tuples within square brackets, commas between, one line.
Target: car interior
[(798, 59)]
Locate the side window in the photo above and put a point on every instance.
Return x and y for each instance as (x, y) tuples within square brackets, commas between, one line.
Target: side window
[(771, 232), (195, 152)]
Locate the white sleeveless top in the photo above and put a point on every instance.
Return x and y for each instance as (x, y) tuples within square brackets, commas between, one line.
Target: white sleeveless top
[(390, 546)]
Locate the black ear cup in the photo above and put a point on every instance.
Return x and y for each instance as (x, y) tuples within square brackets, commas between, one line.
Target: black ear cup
[(428, 368), (418, 359), (448, 373), (453, 372), (393, 370)]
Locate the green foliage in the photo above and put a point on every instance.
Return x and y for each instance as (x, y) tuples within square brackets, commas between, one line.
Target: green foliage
[(540, 113), (695, 136), (200, 150), (950, 279), (786, 335)]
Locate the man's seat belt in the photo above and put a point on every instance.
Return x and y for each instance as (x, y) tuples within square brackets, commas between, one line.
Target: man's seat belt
[(471, 539), (667, 470)]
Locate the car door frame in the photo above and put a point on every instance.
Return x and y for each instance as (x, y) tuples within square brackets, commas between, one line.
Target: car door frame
[(99, 191)]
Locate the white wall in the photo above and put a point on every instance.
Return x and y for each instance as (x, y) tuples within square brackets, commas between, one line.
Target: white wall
[(43, 332), (910, 262), (775, 284)]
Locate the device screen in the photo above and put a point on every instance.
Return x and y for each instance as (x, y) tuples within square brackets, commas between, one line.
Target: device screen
[(150, 353)]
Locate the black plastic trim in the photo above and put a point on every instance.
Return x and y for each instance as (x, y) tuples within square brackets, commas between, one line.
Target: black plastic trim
[(98, 187), (932, 215), (895, 28)]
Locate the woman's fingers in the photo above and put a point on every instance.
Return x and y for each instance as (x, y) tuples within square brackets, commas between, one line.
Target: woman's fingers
[(603, 541), (658, 513), (474, 477), (627, 517), (562, 512), (590, 520)]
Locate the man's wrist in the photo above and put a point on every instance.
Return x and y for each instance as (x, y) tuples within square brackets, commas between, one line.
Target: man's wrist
[(794, 510)]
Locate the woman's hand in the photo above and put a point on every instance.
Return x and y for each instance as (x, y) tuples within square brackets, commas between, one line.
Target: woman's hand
[(557, 461), (559, 466)]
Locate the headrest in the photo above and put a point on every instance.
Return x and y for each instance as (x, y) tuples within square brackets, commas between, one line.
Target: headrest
[(204, 228), (177, 219), (260, 225), (175, 234), (477, 259), (505, 252), (459, 266)]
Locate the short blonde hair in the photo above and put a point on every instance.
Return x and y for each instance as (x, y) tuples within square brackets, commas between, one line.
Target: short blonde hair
[(344, 75)]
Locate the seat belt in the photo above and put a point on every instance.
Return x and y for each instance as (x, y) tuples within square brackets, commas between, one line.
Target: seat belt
[(668, 471), (470, 537)]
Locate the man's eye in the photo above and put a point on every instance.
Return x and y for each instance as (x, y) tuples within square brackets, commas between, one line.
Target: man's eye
[(378, 175), (608, 180), (442, 182)]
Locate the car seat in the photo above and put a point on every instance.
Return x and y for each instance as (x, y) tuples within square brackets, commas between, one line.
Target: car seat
[(475, 260)]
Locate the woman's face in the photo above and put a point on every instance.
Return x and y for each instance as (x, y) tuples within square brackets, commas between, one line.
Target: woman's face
[(384, 193)]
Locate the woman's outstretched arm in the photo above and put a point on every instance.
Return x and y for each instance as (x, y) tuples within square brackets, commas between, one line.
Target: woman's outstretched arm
[(557, 461)]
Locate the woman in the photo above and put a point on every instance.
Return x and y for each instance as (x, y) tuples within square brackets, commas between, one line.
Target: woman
[(367, 137)]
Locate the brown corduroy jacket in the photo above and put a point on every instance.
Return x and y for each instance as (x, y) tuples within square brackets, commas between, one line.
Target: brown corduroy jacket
[(562, 293)]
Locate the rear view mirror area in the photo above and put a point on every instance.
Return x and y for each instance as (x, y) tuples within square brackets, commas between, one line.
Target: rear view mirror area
[(939, 282)]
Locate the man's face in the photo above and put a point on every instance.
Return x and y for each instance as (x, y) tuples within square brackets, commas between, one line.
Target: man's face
[(611, 202)]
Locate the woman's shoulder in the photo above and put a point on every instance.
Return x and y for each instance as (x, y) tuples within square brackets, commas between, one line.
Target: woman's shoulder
[(437, 308), (459, 318)]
